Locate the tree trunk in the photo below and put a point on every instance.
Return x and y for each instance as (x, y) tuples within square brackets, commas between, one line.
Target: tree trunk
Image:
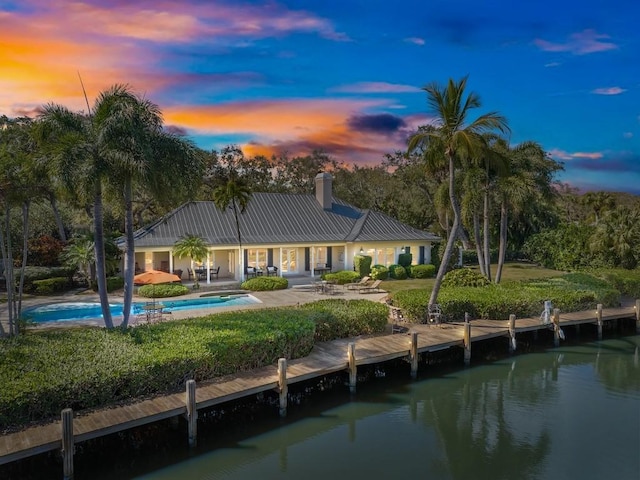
[(446, 256), (485, 228), (56, 214), (101, 267), (6, 267), (10, 276), (129, 254), (478, 242), (503, 240), (25, 252)]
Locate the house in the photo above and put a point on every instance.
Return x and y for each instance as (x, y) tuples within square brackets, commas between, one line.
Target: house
[(300, 234)]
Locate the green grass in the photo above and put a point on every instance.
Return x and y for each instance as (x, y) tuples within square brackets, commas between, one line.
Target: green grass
[(510, 272)]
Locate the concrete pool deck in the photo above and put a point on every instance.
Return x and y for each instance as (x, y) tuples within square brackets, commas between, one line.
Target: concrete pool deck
[(295, 295)]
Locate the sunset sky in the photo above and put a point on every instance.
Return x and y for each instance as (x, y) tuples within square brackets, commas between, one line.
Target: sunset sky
[(344, 76)]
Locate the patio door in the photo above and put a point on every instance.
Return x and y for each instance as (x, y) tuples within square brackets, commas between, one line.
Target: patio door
[(232, 263), (289, 260)]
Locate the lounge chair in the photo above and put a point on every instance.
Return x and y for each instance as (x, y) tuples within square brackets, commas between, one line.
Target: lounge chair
[(373, 288), (356, 285)]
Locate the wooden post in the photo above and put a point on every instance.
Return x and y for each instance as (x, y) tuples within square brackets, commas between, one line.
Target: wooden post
[(67, 443), (637, 307), (414, 355), (282, 385), (556, 327), (192, 413), (353, 369), (599, 320), (512, 333), (467, 342)]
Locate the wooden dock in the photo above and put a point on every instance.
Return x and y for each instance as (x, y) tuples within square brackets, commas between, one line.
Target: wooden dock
[(326, 358)]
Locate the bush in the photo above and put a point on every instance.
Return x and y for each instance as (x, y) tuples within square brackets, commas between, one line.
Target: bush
[(397, 272), (379, 272), (405, 259), (32, 274), (362, 264), (51, 285), (162, 290), (114, 283), (261, 284), (335, 318), (342, 277), (464, 277), (423, 271), (626, 281)]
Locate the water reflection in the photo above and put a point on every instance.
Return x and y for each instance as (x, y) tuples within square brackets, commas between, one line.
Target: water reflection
[(568, 413)]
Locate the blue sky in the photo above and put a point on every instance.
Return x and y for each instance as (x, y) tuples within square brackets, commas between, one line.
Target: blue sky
[(344, 76)]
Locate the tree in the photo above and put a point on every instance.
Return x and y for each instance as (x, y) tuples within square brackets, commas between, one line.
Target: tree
[(599, 202), (617, 236), (140, 151), (194, 247), (80, 254), (453, 139), (234, 194)]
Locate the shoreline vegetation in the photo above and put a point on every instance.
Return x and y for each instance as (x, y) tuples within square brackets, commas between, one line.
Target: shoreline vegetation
[(43, 372)]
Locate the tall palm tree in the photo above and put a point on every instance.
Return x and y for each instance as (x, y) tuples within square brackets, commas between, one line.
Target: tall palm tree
[(453, 138), (234, 194), (599, 202), (141, 151), (194, 247)]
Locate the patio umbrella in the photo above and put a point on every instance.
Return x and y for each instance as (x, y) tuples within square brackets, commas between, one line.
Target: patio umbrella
[(153, 277)]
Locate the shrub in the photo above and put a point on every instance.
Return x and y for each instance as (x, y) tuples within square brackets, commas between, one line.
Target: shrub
[(32, 274), (398, 272), (362, 264), (342, 277), (162, 290), (423, 271), (336, 318), (464, 277), (405, 259), (260, 284), (51, 285), (114, 283), (626, 281), (379, 272)]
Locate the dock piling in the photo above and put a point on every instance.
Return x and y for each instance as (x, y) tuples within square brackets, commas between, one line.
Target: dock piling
[(353, 369), (192, 413), (512, 333), (414, 355), (67, 444), (599, 320), (467, 340), (282, 385), (556, 327)]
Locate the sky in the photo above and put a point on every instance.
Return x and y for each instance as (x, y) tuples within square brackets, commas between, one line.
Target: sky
[(346, 77)]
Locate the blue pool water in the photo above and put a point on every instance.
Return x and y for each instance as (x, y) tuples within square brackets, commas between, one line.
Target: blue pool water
[(72, 311)]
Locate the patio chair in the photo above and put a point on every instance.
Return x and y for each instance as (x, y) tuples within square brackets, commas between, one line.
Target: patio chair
[(356, 285), (272, 271), (216, 272), (373, 288), (251, 272)]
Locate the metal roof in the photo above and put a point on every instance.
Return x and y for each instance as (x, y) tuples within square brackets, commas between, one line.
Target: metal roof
[(277, 218)]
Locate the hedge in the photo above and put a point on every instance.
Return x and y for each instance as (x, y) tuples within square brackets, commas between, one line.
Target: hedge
[(51, 285), (260, 284), (423, 271), (342, 277), (162, 290)]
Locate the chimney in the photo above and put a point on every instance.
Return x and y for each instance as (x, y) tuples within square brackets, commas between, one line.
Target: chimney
[(324, 191)]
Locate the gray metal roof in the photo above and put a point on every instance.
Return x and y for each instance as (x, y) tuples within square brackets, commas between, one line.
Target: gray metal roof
[(277, 218)]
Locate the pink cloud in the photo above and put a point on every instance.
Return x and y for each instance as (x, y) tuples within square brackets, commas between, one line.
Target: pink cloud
[(581, 43), (376, 87), (609, 91)]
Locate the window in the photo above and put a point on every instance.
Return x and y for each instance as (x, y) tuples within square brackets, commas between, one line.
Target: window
[(257, 257), (320, 255)]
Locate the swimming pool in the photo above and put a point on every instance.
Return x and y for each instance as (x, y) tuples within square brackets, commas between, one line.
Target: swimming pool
[(73, 311)]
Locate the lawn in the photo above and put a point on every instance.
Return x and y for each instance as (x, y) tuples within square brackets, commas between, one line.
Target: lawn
[(510, 272)]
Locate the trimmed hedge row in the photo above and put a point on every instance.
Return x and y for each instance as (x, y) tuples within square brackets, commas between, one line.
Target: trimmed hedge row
[(162, 290), (42, 372), (571, 292), (51, 285), (342, 277), (261, 284)]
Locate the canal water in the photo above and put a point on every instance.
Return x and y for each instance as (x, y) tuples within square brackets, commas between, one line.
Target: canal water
[(566, 413)]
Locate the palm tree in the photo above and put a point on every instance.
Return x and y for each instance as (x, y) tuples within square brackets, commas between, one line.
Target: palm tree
[(617, 236), (80, 254), (140, 151), (234, 194), (194, 247), (599, 202), (453, 139)]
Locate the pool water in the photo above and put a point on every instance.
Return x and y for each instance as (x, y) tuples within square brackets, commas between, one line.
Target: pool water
[(73, 311)]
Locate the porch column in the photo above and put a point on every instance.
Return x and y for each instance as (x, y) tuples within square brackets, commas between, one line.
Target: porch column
[(313, 262), (280, 262), (241, 263), (171, 261), (208, 269)]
